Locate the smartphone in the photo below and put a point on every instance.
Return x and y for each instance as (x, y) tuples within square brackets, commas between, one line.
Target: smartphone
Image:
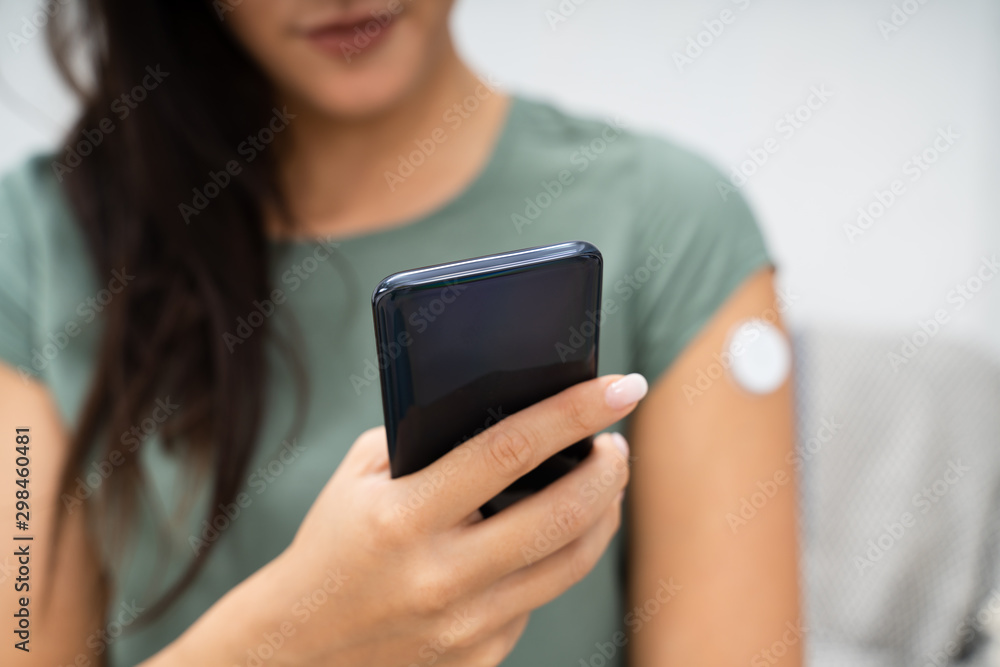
[(463, 345)]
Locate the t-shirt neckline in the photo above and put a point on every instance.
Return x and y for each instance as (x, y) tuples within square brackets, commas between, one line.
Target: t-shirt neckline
[(494, 164)]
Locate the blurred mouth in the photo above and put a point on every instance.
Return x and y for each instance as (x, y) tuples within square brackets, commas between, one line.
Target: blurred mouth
[(352, 36)]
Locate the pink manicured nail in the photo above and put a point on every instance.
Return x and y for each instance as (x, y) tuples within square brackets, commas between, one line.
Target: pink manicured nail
[(626, 391)]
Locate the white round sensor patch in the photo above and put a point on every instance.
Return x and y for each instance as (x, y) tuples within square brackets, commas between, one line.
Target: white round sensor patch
[(761, 356)]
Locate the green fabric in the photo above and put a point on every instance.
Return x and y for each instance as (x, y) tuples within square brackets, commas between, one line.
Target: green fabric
[(674, 249)]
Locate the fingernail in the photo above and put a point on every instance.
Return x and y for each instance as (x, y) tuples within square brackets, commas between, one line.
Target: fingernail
[(626, 391), (621, 443)]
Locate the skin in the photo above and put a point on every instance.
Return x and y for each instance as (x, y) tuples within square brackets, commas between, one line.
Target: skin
[(401, 580), (693, 461)]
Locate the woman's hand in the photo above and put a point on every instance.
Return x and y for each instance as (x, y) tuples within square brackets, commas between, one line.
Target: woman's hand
[(406, 572)]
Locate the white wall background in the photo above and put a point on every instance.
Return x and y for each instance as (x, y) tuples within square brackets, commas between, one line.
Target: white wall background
[(889, 97)]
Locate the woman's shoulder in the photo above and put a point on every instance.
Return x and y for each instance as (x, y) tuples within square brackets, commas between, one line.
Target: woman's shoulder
[(654, 184), (659, 170), (32, 174), (31, 214), (678, 239), (31, 196), (38, 232)]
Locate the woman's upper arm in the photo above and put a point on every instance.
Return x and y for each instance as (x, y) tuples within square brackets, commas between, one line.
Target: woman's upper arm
[(732, 578), (67, 630)]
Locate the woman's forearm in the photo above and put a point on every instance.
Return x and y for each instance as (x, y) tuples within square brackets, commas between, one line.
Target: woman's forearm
[(245, 618)]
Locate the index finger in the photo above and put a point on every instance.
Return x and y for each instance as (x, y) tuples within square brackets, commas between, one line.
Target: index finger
[(480, 468)]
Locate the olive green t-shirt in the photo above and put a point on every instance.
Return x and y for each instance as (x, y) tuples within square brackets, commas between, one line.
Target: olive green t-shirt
[(675, 246)]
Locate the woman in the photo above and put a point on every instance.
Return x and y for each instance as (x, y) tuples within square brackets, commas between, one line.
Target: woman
[(184, 331)]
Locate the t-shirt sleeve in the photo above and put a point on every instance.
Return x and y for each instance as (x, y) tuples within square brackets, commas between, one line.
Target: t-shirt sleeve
[(698, 240), (17, 313)]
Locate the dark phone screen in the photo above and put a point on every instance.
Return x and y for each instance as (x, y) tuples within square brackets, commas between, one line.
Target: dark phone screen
[(459, 356)]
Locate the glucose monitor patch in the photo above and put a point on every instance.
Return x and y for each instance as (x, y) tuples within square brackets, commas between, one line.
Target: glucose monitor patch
[(761, 356)]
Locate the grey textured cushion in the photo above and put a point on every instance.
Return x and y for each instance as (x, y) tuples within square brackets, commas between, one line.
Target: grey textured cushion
[(901, 501)]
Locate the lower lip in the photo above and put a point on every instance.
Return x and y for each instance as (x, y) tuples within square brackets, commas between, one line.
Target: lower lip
[(351, 42)]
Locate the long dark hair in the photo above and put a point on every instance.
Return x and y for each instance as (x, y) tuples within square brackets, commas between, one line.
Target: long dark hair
[(196, 269)]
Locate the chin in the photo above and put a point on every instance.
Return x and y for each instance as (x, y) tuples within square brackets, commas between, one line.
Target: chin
[(346, 59), (360, 94), (368, 85)]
